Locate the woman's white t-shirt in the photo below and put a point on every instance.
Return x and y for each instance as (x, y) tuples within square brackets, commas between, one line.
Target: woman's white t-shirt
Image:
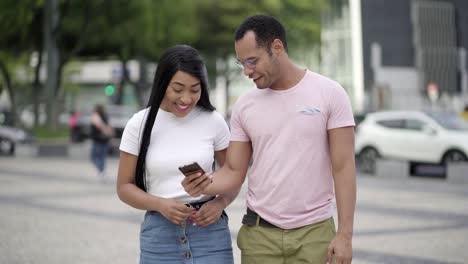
[(174, 142)]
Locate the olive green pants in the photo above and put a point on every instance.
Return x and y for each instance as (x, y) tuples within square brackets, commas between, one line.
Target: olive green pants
[(308, 244)]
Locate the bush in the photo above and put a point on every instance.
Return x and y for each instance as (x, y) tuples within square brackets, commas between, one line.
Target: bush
[(46, 134)]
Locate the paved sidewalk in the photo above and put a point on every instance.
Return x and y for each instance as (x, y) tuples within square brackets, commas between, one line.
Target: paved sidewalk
[(56, 210)]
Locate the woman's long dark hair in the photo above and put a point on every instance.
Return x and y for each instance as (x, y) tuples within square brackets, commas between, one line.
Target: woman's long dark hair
[(178, 58), (101, 111)]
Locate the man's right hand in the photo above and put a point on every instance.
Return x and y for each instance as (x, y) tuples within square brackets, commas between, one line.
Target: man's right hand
[(174, 211), (195, 184)]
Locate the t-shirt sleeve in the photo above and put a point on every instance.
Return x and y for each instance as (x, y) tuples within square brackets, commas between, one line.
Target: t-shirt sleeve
[(237, 130), (130, 141), (222, 133), (341, 113)]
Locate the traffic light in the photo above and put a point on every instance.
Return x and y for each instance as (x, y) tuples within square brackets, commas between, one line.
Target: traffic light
[(110, 90)]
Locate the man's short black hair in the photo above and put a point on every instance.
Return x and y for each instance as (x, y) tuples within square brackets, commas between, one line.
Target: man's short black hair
[(266, 29)]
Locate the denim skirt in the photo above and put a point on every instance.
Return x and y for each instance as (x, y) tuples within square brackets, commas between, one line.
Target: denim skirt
[(164, 242)]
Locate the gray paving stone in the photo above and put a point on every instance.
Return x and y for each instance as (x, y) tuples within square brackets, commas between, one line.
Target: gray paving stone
[(55, 210)]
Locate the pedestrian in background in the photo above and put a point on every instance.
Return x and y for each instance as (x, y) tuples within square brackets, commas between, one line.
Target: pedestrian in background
[(298, 127), (178, 127), (101, 134)]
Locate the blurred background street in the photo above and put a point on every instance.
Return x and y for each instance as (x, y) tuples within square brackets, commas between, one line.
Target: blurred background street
[(55, 210)]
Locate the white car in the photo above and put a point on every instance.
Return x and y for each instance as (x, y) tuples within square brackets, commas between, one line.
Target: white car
[(10, 136), (426, 137)]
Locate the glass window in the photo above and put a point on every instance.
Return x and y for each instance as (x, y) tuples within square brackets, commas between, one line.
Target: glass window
[(392, 123), (414, 124)]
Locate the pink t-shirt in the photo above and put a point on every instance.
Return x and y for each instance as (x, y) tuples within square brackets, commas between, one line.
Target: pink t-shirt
[(290, 183)]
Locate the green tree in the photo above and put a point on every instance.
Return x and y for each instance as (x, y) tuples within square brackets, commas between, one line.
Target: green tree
[(140, 30), (302, 19), (20, 30)]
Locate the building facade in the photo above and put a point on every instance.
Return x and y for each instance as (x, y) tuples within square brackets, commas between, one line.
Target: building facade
[(398, 54)]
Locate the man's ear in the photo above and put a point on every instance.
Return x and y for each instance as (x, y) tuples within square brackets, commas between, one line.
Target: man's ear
[(277, 46)]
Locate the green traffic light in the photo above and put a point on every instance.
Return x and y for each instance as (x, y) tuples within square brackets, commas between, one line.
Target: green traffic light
[(110, 89)]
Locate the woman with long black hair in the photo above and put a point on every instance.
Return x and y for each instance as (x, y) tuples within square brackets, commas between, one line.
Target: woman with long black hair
[(178, 127)]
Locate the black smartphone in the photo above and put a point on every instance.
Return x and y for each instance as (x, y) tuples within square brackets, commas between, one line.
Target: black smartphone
[(191, 169)]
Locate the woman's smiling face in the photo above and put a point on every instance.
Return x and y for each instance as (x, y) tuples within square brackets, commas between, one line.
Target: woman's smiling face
[(182, 94)]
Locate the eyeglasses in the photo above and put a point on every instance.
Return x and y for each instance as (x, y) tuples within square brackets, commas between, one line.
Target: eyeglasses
[(248, 63)]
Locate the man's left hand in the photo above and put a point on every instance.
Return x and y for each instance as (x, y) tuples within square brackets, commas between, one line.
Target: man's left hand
[(209, 213), (341, 247)]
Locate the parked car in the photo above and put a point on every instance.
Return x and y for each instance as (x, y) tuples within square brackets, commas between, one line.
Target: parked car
[(358, 118), (416, 136), (80, 124), (9, 137)]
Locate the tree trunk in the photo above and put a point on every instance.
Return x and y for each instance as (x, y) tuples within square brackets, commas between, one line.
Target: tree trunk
[(9, 88), (53, 59), (211, 70), (37, 88), (227, 73), (59, 95), (118, 99), (141, 87), (38, 44), (227, 83)]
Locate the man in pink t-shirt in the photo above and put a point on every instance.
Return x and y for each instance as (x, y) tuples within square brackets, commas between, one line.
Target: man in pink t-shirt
[(298, 128)]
